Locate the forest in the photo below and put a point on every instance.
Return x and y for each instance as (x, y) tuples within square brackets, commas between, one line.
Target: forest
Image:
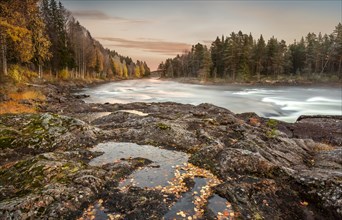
[(43, 39), (240, 57)]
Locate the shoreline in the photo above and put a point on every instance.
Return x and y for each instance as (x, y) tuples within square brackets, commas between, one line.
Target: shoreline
[(220, 82), (52, 148)]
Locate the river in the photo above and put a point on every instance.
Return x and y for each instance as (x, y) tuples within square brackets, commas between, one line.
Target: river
[(285, 103), (168, 168)]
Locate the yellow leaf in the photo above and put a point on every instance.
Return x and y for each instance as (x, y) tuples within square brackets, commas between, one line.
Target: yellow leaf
[(304, 203)]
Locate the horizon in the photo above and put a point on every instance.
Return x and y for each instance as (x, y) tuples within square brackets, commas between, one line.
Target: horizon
[(153, 31)]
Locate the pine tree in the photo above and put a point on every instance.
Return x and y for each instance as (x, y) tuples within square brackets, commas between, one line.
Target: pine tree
[(217, 50), (207, 64), (240, 57), (338, 48), (231, 55), (311, 45), (259, 56)]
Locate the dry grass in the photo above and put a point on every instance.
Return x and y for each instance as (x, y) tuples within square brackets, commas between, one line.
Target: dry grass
[(15, 107), (28, 95), (322, 147)]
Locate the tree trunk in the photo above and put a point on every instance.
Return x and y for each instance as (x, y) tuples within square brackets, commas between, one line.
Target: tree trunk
[(4, 59), (258, 70), (339, 66), (39, 71), (318, 63), (325, 65)]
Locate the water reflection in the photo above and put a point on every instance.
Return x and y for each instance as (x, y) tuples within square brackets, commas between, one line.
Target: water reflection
[(157, 174)]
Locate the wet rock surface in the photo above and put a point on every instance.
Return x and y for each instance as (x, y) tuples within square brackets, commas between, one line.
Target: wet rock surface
[(31, 134), (268, 169), (54, 185)]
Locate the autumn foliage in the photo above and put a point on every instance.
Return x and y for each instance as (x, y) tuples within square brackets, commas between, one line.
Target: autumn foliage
[(44, 37)]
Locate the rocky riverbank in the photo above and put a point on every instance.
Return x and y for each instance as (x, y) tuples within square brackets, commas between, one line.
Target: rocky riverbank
[(267, 169)]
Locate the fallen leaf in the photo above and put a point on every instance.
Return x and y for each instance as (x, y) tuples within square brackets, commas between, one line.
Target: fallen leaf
[(304, 203)]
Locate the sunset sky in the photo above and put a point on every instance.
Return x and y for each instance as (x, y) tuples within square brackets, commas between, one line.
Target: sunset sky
[(155, 30)]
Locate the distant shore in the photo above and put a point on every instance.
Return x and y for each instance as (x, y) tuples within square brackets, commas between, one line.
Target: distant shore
[(194, 80)]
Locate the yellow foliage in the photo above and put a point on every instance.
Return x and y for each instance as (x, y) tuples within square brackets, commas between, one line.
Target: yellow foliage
[(125, 71), (14, 73), (21, 38), (137, 71), (118, 68), (64, 74), (15, 33), (20, 74), (142, 70)]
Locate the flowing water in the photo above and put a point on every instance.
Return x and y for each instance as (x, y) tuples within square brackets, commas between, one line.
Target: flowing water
[(281, 102), (285, 103)]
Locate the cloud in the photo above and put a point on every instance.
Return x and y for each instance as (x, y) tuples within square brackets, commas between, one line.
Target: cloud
[(99, 15), (156, 46)]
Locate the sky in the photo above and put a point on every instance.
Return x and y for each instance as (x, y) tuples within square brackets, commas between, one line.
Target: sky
[(155, 30)]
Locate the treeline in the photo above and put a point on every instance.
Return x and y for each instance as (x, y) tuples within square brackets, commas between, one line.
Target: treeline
[(240, 57), (43, 36)]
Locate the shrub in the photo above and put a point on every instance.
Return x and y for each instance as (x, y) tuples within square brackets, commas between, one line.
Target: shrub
[(14, 73), (20, 74), (272, 132), (64, 74)]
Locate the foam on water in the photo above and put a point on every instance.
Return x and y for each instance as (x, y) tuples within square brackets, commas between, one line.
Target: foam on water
[(251, 91), (285, 103), (322, 100)]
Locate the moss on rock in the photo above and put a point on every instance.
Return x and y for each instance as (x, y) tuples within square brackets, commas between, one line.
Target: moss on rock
[(38, 133)]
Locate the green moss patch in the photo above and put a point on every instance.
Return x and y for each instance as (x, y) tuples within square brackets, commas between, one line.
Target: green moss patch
[(163, 126), (33, 174)]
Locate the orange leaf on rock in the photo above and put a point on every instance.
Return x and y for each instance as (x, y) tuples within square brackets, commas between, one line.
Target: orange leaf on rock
[(304, 203)]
